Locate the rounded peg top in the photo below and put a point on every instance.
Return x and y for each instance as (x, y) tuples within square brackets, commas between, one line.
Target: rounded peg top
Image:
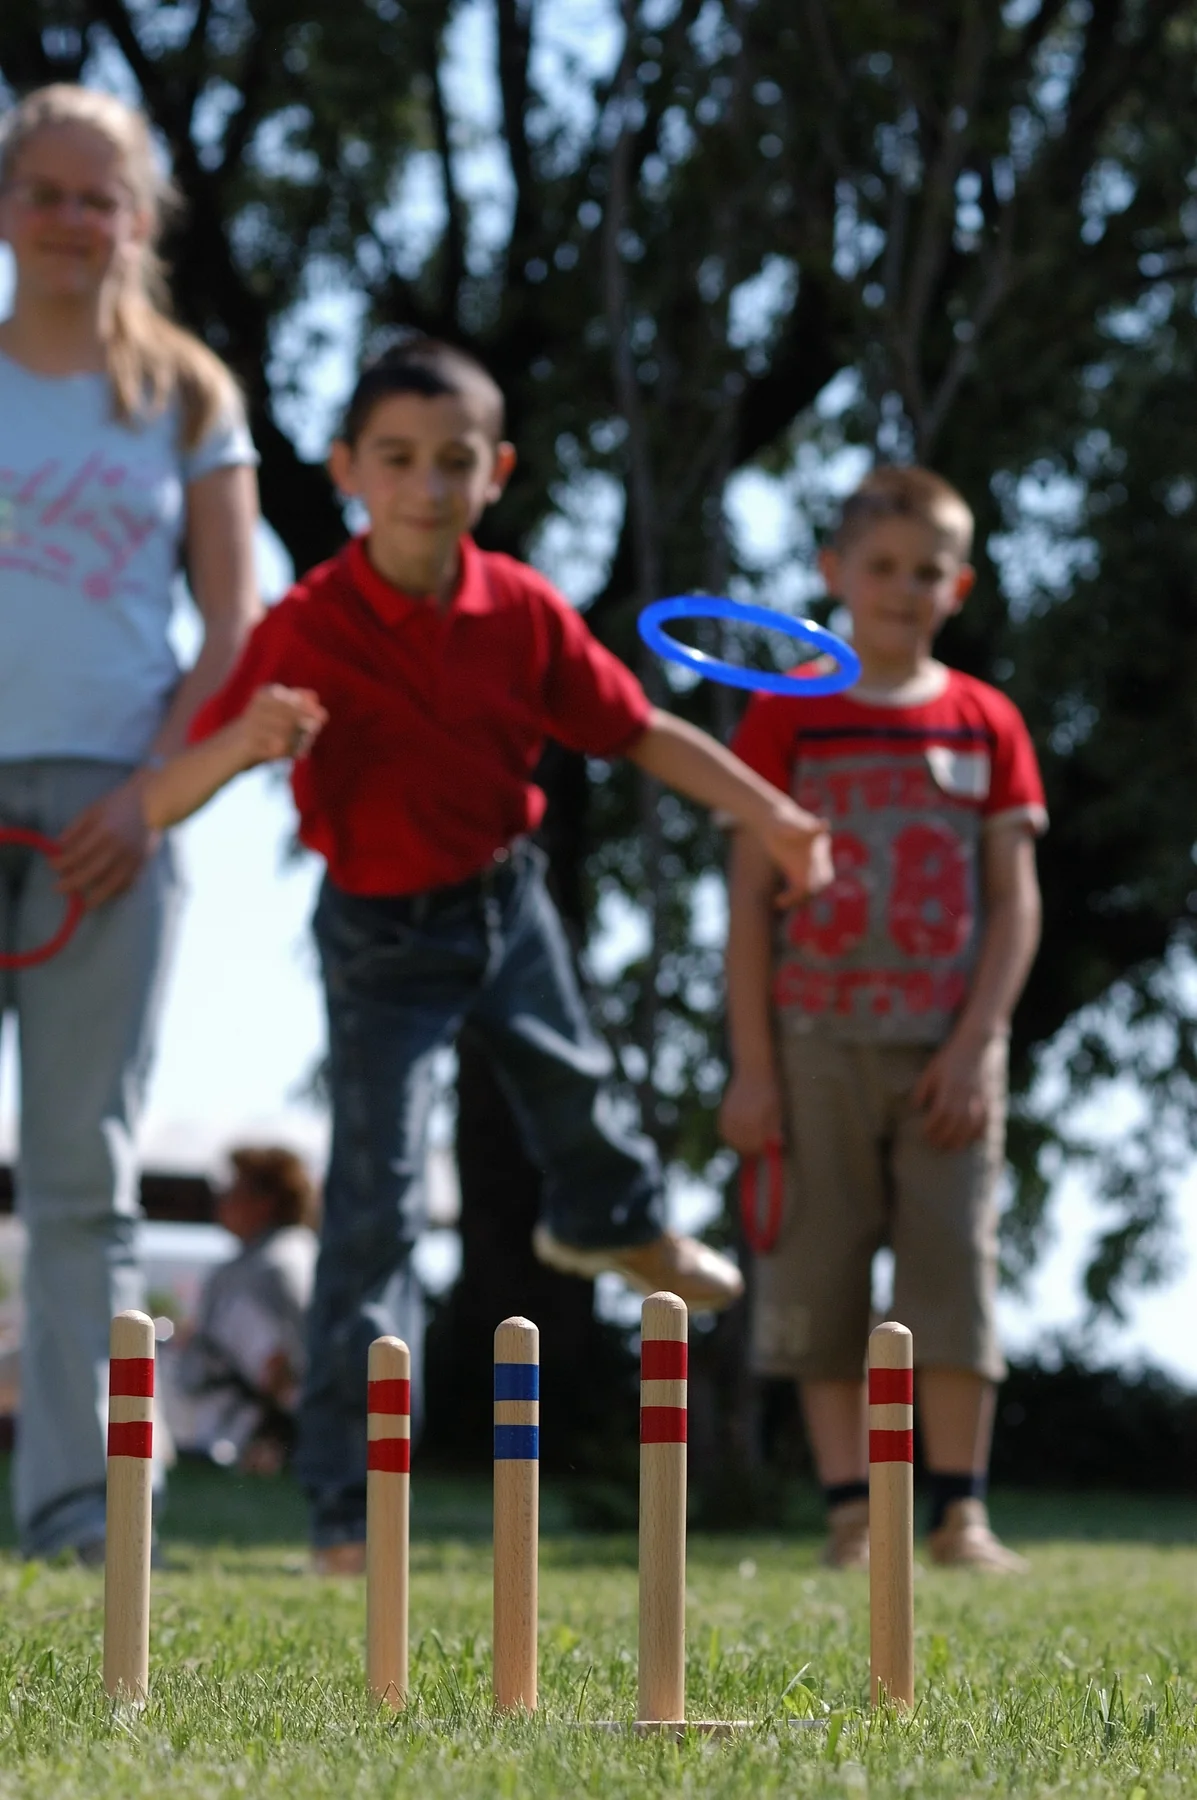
[(517, 1340), (131, 1334), (891, 1346), (664, 1316), (390, 1360)]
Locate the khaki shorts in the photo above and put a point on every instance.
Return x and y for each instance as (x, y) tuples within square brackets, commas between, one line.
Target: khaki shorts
[(860, 1175)]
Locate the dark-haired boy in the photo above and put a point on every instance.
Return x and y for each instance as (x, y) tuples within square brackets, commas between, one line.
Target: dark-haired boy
[(869, 1027), (442, 670), (239, 1371)]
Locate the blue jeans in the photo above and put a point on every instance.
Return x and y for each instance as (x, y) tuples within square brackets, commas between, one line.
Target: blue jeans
[(86, 1023), (401, 976)]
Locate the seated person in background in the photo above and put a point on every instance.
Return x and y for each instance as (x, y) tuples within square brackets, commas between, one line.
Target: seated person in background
[(239, 1374)]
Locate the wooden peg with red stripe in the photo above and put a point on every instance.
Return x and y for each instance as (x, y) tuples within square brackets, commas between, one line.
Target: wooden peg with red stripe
[(388, 1469), (891, 1514), (128, 1531), (663, 1389)]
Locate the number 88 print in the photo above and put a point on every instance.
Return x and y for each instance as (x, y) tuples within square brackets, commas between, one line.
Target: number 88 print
[(929, 910)]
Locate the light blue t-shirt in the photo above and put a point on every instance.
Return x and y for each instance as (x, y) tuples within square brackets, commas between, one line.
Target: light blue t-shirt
[(91, 520)]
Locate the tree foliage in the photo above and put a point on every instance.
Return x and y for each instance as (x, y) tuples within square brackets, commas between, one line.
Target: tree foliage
[(699, 237)]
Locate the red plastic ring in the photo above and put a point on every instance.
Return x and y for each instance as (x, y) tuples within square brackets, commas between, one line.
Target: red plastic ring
[(29, 959), (762, 1179)]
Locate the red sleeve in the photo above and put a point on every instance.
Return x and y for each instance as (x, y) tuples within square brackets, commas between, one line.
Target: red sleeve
[(593, 702), (764, 739), (261, 662), (1016, 786)]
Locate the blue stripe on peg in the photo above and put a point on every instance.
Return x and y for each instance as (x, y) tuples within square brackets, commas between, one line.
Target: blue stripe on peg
[(517, 1443), (517, 1381)]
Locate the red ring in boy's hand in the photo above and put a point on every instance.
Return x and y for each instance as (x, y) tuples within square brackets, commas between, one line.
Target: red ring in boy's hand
[(761, 1198), (29, 959)]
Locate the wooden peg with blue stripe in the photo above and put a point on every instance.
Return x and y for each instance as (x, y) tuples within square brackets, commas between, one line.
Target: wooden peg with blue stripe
[(517, 1506)]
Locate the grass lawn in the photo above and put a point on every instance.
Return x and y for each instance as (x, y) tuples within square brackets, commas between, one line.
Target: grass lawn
[(1081, 1680)]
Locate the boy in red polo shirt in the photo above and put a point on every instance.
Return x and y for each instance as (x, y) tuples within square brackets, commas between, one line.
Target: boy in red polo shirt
[(869, 1026), (432, 673)]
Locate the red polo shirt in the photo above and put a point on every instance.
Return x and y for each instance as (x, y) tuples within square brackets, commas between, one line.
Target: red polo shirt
[(437, 717)]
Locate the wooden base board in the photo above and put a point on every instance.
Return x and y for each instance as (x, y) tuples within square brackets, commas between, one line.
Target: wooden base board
[(712, 1728)]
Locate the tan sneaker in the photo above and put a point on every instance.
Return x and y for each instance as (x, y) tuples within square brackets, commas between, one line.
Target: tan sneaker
[(847, 1545), (965, 1540), (700, 1276), (340, 1559)]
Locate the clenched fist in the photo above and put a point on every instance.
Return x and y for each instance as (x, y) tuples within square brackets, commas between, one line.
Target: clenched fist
[(278, 722)]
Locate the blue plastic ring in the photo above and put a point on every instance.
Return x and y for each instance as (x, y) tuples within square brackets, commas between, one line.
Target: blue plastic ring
[(759, 681)]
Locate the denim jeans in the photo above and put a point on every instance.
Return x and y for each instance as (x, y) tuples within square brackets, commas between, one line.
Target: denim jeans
[(401, 976), (85, 1021)]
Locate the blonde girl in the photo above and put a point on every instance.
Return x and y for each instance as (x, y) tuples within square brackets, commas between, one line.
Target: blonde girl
[(123, 447)]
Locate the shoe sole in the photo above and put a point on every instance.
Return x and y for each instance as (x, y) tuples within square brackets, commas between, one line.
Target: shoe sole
[(589, 1264)]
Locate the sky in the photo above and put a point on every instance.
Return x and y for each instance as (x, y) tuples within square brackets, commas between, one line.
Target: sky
[(243, 1027)]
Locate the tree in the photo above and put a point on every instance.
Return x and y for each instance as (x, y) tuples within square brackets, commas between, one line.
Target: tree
[(758, 234)]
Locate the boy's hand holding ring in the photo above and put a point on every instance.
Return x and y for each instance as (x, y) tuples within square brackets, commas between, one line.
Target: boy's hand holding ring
[(750, 1112)]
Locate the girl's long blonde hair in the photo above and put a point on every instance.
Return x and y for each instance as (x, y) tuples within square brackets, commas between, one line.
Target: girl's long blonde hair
[(150, 358)]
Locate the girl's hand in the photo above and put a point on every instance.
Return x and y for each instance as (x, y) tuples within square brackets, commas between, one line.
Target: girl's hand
[(750, 1115), (102, 852), (279, 722)]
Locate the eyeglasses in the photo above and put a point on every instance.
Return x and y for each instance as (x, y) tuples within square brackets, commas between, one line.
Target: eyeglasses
[(47, 196)]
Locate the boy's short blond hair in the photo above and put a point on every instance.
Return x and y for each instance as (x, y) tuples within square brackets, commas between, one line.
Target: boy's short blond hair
[(894, 493)]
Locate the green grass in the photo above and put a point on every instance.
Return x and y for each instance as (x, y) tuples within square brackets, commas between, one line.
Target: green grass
[(1081, 1680)]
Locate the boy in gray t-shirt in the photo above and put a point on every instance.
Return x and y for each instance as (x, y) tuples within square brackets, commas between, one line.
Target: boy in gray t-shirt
[(869, 1025)]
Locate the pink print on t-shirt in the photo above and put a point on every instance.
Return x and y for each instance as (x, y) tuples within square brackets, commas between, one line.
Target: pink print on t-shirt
[(78, 525)]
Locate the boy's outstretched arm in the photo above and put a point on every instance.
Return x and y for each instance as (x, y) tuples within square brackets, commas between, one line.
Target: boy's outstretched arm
[(750, 1114), (687, 759), (952, 1090), (277, 722)]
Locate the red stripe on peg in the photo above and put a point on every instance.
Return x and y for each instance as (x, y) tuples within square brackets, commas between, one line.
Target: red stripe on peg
[(662, 1360), (135, 1437), (131, 1375), (891, 1446), (891, 1387), (390, 1397), (389, 1456), (662, 1424)]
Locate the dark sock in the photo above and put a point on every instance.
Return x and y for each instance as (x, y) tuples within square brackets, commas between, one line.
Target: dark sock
[(945, 1488), (840, 1492)]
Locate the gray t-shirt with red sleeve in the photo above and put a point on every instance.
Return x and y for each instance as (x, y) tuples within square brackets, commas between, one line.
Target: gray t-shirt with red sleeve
[(886, 953)]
